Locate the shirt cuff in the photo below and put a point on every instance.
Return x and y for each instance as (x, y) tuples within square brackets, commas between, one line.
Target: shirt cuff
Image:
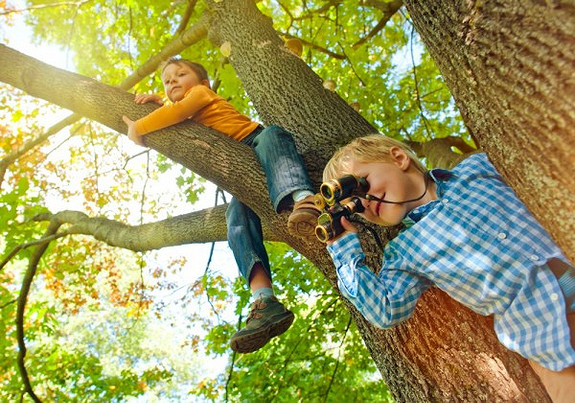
[(141, 128), (345, 249)]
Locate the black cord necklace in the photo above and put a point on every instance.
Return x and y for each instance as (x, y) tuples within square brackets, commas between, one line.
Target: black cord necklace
[(426, 177)]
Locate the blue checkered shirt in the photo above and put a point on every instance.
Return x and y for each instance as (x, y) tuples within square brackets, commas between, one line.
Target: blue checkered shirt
[(478, 243)]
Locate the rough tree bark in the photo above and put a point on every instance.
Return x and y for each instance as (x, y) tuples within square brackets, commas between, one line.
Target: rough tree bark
[(510, 67), (445, 352)]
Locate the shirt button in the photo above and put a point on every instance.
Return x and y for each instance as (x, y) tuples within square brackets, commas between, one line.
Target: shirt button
[(446, 200), (534, 258), (502, 235), (554, 297)]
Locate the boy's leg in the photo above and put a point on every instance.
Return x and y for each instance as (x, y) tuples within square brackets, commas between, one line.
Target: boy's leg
[(259, 278), (268, 317), (287, 175), (560, 385)]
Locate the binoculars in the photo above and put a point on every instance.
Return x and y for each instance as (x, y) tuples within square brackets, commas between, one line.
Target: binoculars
[(329, 199)]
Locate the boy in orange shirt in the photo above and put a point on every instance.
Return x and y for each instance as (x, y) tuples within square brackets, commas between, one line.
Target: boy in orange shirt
[(187, 87)]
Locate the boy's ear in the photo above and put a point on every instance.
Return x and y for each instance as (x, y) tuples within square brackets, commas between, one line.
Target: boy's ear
[(206, 83), (400, 157)]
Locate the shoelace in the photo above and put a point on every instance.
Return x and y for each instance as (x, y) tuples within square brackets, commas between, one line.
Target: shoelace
[(256, 306)]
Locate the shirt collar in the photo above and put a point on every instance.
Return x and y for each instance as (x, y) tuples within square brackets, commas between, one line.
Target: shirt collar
[(439, 176)]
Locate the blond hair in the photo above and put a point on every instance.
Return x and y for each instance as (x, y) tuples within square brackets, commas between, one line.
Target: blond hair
[(371, 148)]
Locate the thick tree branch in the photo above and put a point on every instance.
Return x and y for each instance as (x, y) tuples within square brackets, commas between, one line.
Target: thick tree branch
[(203, 226), (439, 152), (510, 71), (197, 227), (189, 143), (189, 37), (21, 308), (186, 16)]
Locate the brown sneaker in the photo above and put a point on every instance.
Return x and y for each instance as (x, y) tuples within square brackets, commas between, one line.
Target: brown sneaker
[(268, 318), (303, 219)]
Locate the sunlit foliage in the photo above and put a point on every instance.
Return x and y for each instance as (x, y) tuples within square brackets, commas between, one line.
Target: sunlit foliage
[(104, 324)]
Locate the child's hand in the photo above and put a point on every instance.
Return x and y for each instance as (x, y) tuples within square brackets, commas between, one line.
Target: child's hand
[(145, 98), (132, 132), (347, 226)]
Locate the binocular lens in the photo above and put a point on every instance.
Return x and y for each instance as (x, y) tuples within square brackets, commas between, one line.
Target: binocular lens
[(337, 189), (344, 187), (330, 198), (319, 201), (323, 234), (328, 190)]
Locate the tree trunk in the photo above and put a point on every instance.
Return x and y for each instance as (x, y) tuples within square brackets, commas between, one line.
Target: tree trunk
[(445, 352), (509, 66)]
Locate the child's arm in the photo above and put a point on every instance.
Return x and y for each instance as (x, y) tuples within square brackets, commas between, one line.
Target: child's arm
[(140, 99), (384, 299), (195, 99), (133, 132)]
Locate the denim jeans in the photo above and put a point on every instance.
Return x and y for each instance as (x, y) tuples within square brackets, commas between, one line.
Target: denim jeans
[(285, 173)]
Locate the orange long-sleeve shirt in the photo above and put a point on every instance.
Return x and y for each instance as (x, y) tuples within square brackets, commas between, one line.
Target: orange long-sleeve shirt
[(204, 106)]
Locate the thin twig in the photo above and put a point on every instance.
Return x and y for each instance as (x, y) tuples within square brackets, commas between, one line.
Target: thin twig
[(316, 47), (240, 318), (40, 241), (41, 6), (337, 362), (303, 334), (351, 65), (8, 303), (206, 272), (389, 9)]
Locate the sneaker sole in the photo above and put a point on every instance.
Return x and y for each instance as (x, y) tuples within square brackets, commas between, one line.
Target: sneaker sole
[(303, 223), (253, 342)]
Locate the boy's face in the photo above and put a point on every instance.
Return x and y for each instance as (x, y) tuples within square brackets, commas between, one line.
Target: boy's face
[(178, 78), (394, 180)]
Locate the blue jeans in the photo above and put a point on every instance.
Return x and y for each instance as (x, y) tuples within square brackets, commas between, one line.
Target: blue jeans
[(285, 173)]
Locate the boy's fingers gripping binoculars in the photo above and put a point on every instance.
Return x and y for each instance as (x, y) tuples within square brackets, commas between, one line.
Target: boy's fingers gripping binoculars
[(330, 200)]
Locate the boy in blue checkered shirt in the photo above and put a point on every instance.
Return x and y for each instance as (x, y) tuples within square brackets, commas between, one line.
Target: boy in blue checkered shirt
[(466, 232)]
